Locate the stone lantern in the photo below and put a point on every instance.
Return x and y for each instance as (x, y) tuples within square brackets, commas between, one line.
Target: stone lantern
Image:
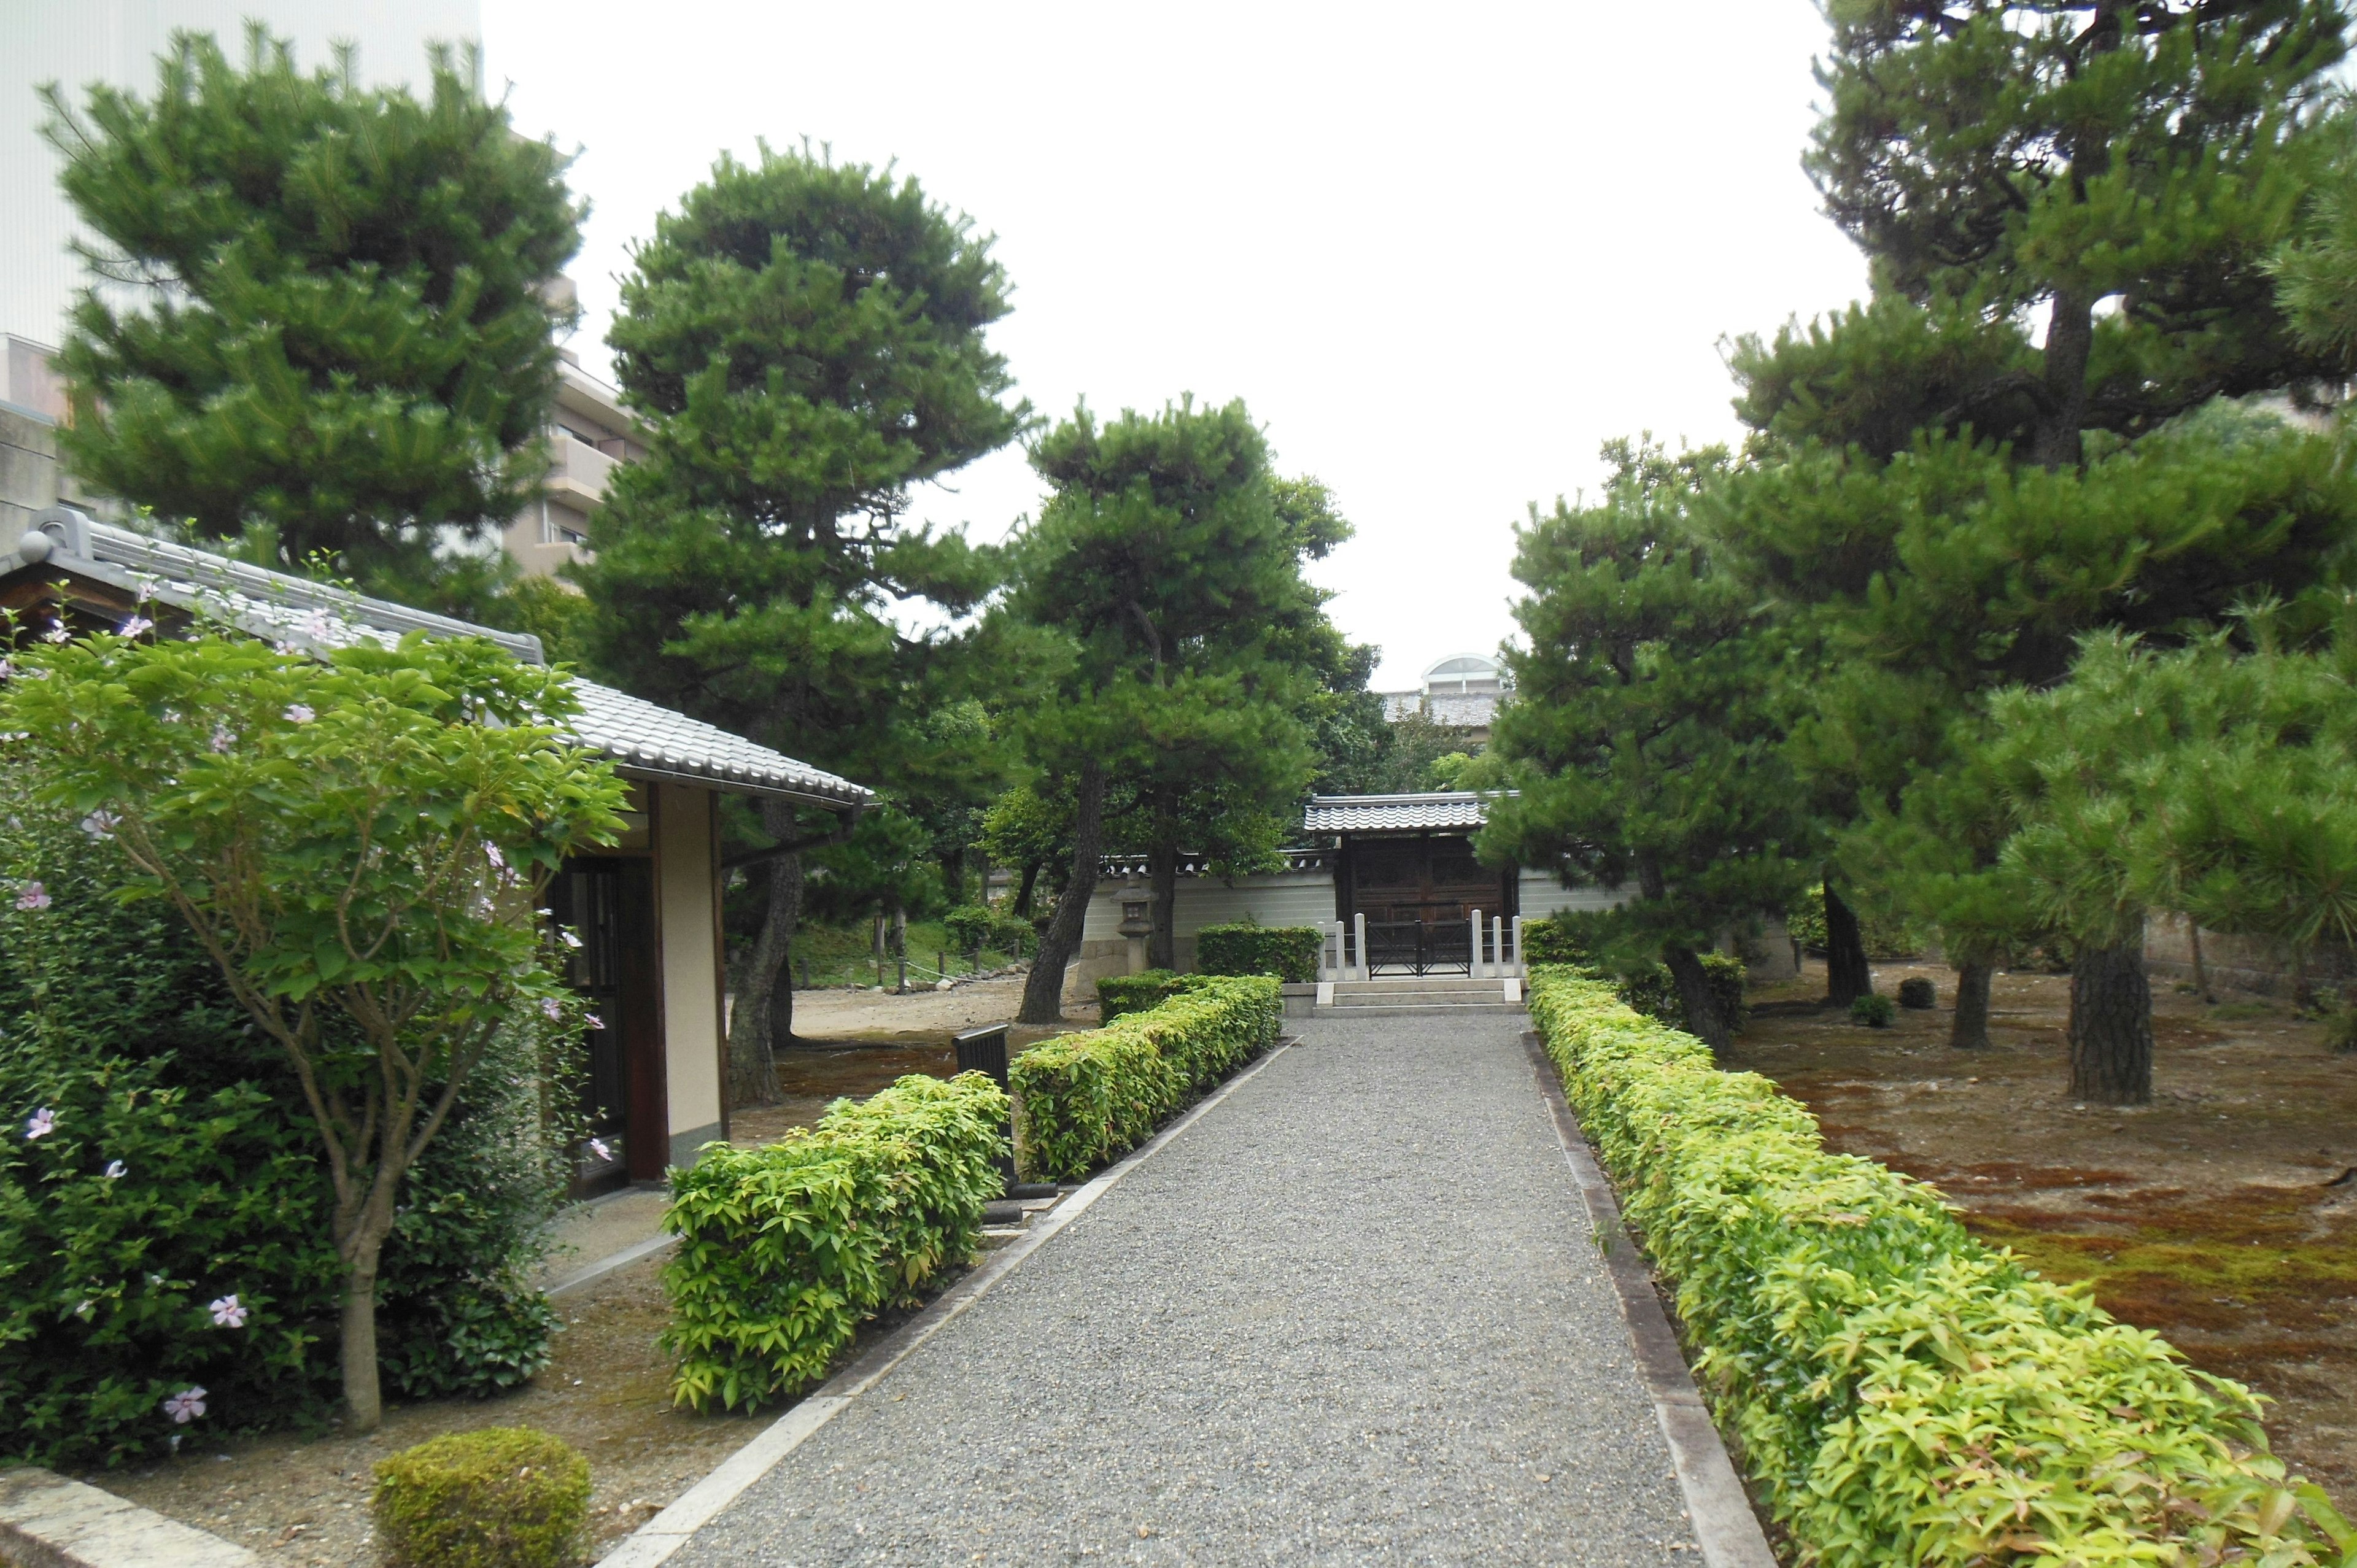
[(1137, 921)]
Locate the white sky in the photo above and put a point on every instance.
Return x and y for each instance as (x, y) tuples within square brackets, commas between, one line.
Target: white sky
[(1442, 253)]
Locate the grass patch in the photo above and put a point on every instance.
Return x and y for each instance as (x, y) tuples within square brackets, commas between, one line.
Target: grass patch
[(826, 956)]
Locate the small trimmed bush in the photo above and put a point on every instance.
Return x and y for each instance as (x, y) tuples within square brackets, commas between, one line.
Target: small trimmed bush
[(1917, 992), (503, 1497), (2341, 1031), (1873, 1011), (1288, 952), (1120, 994), (1652, 991), (785, 1249), (971, 928), (1084, 1100), (1903, 1394)]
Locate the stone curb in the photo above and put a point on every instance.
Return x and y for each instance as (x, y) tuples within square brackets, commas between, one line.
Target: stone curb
[(655, 1541), (611, 1263), (48, 1521), (1716, 1505)]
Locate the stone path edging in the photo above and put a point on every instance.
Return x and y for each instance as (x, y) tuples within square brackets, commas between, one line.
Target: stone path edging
[(612, 1263), (48, 1521), (1724, 1522), (657, 1540)]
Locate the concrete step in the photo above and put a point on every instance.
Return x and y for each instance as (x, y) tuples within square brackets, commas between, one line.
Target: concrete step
[(1390, 983), (1481, 998)]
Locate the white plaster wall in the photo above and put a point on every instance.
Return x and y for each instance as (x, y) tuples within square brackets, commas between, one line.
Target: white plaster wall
[(691, 993), (1283, 898), (1541, 895)]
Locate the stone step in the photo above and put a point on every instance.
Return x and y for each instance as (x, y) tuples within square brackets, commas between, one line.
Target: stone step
[(1481, 998)]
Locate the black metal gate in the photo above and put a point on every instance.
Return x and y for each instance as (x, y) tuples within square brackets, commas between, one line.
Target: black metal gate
[(1423, 946)]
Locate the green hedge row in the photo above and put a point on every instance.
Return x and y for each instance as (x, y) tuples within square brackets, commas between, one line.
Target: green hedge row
[(1288, 952), (1120, 994), (1083, 1100), (785, 1249), (1901, 1392)]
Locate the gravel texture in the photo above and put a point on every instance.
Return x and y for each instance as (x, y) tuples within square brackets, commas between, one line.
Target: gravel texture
[(1354, 1314)]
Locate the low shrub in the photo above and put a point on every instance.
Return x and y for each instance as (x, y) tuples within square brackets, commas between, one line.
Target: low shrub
[(1652, 991), (2341, 1031), (1885, 936), (1917, 992), (1567, 936), (1288, 952), (971, 928), (1120, 994), (785, 1249), (1083, 1100), (1873, 1011), (1901, 1392), (502, 1497)]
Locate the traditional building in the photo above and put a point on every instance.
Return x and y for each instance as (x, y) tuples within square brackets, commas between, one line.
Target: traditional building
[(1404, 865), (647, 909)]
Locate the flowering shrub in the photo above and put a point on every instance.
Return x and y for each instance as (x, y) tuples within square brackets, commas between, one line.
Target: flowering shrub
[(194, 1289), (1901, 1392), (785, 1249), (1083, 1100)]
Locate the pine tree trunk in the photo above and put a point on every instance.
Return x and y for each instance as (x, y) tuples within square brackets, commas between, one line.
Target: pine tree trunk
[(2200, 970), (1969, 1031), (1043, 989), (1162, 873), (1693, 981), (763, 1021), (1847, 978), (1025, 888), (2110, 1026), (2070, 341)]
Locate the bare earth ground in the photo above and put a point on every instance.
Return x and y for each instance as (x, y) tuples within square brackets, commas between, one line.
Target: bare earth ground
[(300, 1498), (2222, 1215)]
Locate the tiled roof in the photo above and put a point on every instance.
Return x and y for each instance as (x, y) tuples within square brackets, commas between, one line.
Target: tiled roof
[(1464, 709), (639, 736), (1387, 813)]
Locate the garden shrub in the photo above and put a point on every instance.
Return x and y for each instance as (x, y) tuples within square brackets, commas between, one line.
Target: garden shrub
[(785, 1249), (502, 1497), (1120, 994), (1917, 992), (1288, 952), (1567, 936), (974, 927), (1902, 1393), (1083, 1100), (202, 1274), (1885, 936), (1652, 991), (1872, 1010)]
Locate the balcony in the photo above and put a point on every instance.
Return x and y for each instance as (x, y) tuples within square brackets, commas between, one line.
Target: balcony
[(579, 470)]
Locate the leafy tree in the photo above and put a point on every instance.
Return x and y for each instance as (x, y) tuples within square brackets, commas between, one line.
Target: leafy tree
[(320, 315), (359, 844), (1167, 562), (807, 342), (1643, 734)]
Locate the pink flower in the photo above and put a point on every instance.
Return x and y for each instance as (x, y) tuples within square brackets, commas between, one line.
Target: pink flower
[(32, 896), (299, 714), (7, 667), (229, 1313), (491, 853), (222, 739), (593, 1021), (42, 1123), (57, 633), (135, 626), (568, 939), (551, 1009), (116, 1170), (186, 1406), (598, 1147), (100, 824)]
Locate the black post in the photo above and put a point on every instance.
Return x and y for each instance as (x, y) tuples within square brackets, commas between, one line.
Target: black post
[(985, 1050)]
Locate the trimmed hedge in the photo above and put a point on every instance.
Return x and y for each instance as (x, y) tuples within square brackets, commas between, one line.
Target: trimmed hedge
[(1120, 994), (1083, 1100), (502, 1496), (785, 1249), (1288, 952), (1901, 1392)]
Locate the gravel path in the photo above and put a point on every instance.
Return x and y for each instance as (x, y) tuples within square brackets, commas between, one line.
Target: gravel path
[(1353, 1314)]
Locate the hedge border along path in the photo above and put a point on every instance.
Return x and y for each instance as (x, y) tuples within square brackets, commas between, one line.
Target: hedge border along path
[(1082, 1101), (1903, 1394), (785, 1249)]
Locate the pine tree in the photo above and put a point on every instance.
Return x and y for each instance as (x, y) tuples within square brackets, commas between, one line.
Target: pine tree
[(1643, 733), (1169, 562), (2121, 175), (322, 316), (807, 340)]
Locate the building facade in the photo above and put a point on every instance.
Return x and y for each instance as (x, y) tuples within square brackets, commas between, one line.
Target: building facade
[(1462, 691)]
